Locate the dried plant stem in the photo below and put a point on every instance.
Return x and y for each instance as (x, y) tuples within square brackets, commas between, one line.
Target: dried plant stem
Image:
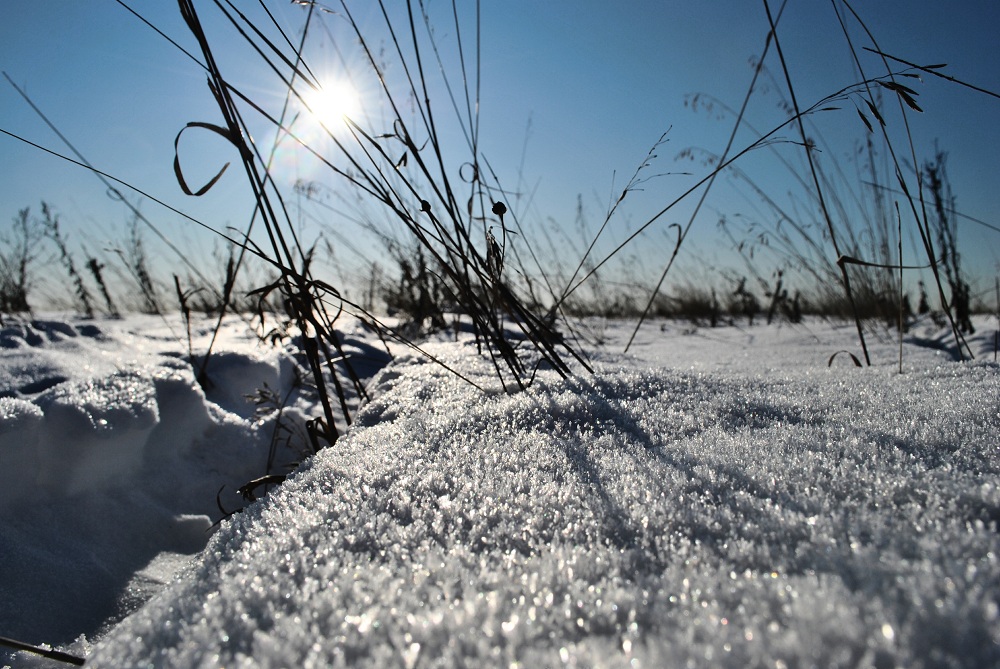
[(704, 194), (845, 276)]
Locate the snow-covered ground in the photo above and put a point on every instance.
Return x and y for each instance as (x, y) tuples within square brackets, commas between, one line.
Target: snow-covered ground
[(719, 497)]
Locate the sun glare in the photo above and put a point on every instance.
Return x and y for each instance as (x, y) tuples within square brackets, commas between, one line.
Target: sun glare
[(334, 101)]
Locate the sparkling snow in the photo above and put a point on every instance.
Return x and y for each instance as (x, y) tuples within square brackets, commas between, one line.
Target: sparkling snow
[(719, 497)]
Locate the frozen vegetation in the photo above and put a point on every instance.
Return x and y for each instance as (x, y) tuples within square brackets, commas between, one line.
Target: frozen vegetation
[(721, 497)]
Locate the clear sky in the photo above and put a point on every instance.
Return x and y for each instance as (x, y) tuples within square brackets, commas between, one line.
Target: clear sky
[(576, 92)]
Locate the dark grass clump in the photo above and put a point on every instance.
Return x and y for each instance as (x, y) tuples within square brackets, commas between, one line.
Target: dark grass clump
[(945, 226), (96, 269), (419, 296), (20, 249), (225, 289)]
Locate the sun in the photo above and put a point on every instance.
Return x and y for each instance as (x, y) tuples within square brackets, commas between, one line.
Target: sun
[(332, 102)]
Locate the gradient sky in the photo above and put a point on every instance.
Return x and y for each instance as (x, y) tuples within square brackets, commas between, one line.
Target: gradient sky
[(582, 89)]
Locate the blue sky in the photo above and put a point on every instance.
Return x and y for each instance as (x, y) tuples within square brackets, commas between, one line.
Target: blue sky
[(576, 92)]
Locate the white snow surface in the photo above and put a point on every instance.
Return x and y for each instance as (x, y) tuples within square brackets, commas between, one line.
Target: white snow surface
[(719, 497)]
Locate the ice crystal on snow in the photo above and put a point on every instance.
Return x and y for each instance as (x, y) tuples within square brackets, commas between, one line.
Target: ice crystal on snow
[(727, 502)]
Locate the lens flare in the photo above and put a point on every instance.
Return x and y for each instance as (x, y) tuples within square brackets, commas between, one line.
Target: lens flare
[(332, 102)]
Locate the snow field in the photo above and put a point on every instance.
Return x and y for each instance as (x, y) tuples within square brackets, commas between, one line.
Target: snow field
[(639, 517)]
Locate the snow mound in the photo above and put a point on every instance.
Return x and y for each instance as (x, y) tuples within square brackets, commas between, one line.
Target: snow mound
[(111, 457), (842, 517)]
